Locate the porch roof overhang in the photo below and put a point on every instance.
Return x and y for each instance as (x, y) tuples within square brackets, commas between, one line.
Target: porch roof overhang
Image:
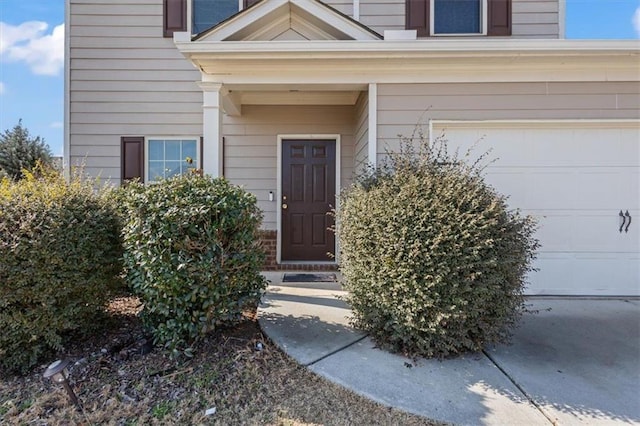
[(399, 61)]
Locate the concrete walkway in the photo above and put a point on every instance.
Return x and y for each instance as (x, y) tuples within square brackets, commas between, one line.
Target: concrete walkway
[(575, 362)]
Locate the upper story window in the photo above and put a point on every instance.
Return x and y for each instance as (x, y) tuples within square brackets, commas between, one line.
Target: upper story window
[(459, 17), (207, 13), (204, 13)]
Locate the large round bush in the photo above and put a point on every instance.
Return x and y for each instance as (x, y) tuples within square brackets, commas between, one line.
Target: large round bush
[(192, 254), (433, 260), (60, 261)]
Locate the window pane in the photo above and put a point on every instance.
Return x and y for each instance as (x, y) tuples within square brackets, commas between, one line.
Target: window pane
[(167, 157), (172, 168), (457, 16), (172, 151), (156, 170), (189, 149), (207, 13), (156, 150)]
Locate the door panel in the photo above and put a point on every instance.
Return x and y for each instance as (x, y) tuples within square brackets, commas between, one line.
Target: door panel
[(308, 194)]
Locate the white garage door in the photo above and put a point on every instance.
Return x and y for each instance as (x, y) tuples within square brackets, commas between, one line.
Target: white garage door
[(575, 177)]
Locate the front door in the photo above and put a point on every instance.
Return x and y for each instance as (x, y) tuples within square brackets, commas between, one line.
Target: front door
[(308, 195)]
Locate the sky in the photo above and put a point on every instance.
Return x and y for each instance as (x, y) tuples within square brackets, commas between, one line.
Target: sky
[(32, 56)]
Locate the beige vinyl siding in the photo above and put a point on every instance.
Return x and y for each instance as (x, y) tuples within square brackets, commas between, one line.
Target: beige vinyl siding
[(126, 79), (381, 15), (535, 19), (342, 6), (250, 154), (530, 19), (402, 106), (361, 153)]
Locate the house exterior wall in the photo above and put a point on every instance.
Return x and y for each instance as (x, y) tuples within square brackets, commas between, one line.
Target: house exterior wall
[(250, 156), (125, 79), (536, 19), (381, 15), (343, 6), (530, 19), (402, 106)]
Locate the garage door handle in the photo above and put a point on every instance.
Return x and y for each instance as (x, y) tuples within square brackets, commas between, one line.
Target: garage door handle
[(623, 220), (629, 222)]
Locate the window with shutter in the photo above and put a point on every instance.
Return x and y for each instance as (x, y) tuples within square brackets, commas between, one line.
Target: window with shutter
[(171, 156), (175, 16), (459, 17)]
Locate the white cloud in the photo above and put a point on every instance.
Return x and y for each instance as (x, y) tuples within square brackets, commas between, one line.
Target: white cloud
[(636, 21), (56, 125), (2, 88), (31, 43)]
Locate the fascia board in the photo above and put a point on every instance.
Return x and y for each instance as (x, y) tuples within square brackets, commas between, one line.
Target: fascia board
[(422, 48)]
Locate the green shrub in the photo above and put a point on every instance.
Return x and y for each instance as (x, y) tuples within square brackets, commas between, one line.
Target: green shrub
[(434, 261), (60, 258), (192, 255)]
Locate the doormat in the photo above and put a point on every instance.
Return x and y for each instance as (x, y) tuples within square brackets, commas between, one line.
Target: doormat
[(309, 278)]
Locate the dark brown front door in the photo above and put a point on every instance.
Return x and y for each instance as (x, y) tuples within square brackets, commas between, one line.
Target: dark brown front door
[(308, 194)]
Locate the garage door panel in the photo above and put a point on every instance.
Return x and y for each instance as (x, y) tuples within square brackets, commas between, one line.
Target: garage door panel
[(568, 188), (566, 274), (598, 231), (575, 177), (551, 147), (523, 187)]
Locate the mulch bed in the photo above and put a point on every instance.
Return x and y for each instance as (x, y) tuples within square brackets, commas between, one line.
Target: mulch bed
[(237, 374)]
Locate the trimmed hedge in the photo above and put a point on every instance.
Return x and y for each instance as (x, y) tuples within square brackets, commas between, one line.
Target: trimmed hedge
[(192, 255), (433, 259), (60, 261)]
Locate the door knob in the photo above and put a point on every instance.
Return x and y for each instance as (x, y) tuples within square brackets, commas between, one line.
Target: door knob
[(284, 207)]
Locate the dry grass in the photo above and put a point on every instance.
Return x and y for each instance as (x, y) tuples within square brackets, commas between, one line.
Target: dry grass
[(117, 385)]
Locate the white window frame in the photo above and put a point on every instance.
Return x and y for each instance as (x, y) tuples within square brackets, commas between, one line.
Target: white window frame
[(484, 21), (197, 160)]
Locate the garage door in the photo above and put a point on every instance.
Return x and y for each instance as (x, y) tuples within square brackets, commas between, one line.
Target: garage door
[(576, 178)]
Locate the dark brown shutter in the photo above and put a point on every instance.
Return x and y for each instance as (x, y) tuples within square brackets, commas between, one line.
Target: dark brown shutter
[(201, 159), (417, 16), (499, 17), (175, 16), (132, 158), (249, 3)]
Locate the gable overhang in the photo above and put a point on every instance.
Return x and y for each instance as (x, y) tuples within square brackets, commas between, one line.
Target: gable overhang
[(268, 20), (399, 61)]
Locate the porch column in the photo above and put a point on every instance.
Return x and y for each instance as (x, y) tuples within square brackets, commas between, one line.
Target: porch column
[(373, 125), (212, 128)]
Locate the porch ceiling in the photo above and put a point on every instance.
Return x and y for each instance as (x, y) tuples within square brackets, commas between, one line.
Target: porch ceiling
[(234, 96)]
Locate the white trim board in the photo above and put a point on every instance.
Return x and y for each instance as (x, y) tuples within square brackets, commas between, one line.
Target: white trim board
[(283, 137)]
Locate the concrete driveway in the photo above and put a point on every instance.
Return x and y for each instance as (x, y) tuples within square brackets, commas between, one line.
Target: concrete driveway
[(575, 361)]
